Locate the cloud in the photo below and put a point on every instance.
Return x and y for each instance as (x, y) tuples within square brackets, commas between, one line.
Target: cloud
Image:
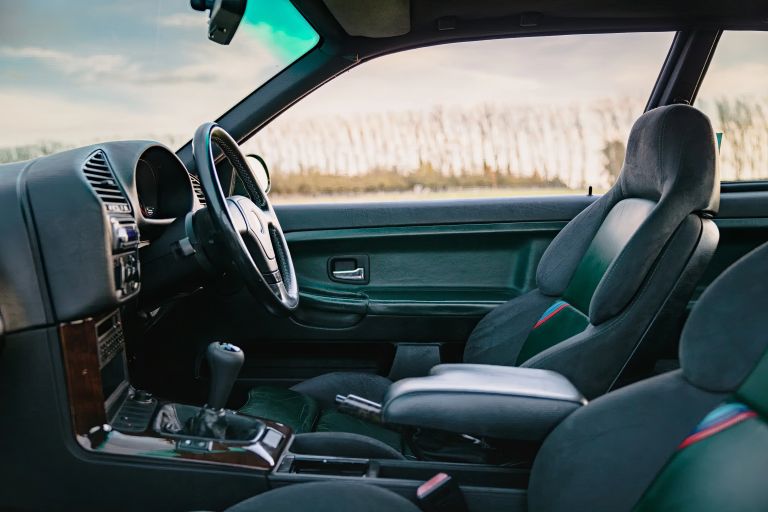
[(183, 20), (205, 64), (520, 71), (735, 79), (36, 117), (88, 68), (118, 96), (139, 71)]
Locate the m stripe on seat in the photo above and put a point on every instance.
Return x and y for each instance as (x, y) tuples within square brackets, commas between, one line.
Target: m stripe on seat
[(723, 417), (551, 311)]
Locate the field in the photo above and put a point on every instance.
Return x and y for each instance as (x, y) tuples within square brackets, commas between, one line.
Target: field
[(426, 195)]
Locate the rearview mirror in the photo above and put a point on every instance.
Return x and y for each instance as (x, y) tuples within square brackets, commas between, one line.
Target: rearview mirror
[(259, 168), (224, 18)]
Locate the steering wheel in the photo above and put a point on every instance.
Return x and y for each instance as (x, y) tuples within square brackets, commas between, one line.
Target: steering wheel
[(247, 226)]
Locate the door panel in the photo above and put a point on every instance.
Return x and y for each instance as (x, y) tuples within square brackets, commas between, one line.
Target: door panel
[(423, 270), (433, 269), (313, 217)]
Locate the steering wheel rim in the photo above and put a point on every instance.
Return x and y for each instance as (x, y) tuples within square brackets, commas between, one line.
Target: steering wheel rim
[(248, 226)]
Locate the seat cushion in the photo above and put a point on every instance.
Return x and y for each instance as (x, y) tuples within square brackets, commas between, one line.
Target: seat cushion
[(324, 388), (326, 497), (282, 405), (304, 414), (499, 336)]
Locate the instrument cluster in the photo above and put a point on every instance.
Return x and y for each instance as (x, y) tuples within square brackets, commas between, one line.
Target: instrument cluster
[(163, 187)]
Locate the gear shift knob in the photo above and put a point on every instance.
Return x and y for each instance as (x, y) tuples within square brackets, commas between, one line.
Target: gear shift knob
[(225, 361)]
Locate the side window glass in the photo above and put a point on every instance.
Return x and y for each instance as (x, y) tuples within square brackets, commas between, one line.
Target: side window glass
[(525, 116), (734, 94)]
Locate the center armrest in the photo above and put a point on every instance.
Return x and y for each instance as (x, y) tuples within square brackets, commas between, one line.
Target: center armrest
[(502, 402)]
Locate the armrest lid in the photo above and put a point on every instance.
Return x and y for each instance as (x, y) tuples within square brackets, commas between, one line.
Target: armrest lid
[(495, 401)]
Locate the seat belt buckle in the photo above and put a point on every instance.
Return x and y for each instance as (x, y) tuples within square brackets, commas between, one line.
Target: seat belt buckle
[(441, 493), (358, 406)]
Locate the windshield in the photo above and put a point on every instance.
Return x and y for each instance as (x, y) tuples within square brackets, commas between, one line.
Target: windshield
[(78, 72)]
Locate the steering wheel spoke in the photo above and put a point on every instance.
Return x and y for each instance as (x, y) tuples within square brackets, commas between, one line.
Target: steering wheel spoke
[(248, 225)]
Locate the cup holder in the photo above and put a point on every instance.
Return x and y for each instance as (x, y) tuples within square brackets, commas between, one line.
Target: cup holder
[(329, 467)]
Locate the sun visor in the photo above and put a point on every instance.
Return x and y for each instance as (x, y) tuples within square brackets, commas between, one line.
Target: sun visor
[(372, 18)]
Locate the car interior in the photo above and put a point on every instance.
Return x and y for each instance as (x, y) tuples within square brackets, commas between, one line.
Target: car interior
[(171, 337)]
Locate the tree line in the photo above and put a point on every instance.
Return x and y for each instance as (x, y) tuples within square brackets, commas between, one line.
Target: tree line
[(488, 145)]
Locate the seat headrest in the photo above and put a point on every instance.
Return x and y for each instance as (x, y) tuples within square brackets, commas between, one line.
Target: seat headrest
[(671, 154), (727, 332)]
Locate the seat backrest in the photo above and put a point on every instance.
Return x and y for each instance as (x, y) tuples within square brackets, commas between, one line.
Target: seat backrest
[(692, 439), (611, 271)]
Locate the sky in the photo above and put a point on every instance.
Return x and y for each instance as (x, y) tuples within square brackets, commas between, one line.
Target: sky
[(523, 71), (78, 71), (738, 69), (555, 102), (81, 70)]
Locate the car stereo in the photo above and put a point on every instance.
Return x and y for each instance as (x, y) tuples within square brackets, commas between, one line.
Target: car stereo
[(112, 360), (125, 240)]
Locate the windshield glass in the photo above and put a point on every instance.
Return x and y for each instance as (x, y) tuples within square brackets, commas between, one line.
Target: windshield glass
[(77, 72)]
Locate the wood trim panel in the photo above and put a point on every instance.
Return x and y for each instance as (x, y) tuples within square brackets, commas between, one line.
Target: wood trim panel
[(79, 345)]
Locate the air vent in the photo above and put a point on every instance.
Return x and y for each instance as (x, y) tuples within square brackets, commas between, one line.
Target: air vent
[(198, 188), (99, 174)]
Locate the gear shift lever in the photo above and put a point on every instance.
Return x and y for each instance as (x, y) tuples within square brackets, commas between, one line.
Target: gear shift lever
[(213, 422), (225, 361)]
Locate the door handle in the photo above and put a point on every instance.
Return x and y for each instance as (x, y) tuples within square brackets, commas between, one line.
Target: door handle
[(352, 269), (357, 274)]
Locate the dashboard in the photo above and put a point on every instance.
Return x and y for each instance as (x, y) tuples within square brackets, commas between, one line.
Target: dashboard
[(81, 217)]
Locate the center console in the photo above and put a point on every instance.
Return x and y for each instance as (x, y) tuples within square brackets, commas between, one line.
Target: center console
[(110, 417)]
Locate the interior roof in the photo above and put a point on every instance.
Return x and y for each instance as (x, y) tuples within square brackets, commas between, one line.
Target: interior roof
[(498, 17), (424, 9)]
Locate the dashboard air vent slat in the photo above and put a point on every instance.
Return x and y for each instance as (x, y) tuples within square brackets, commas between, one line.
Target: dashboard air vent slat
[(101, 178), (197, 188)]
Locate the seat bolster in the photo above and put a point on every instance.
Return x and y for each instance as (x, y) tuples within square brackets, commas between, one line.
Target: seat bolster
[(661, 234), (563, 255), (722, 339)]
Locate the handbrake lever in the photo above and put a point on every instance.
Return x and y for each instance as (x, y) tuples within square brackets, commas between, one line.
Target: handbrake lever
[(360, 407)]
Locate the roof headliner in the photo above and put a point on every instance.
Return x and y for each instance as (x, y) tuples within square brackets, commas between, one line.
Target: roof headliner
[(386, 18)]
